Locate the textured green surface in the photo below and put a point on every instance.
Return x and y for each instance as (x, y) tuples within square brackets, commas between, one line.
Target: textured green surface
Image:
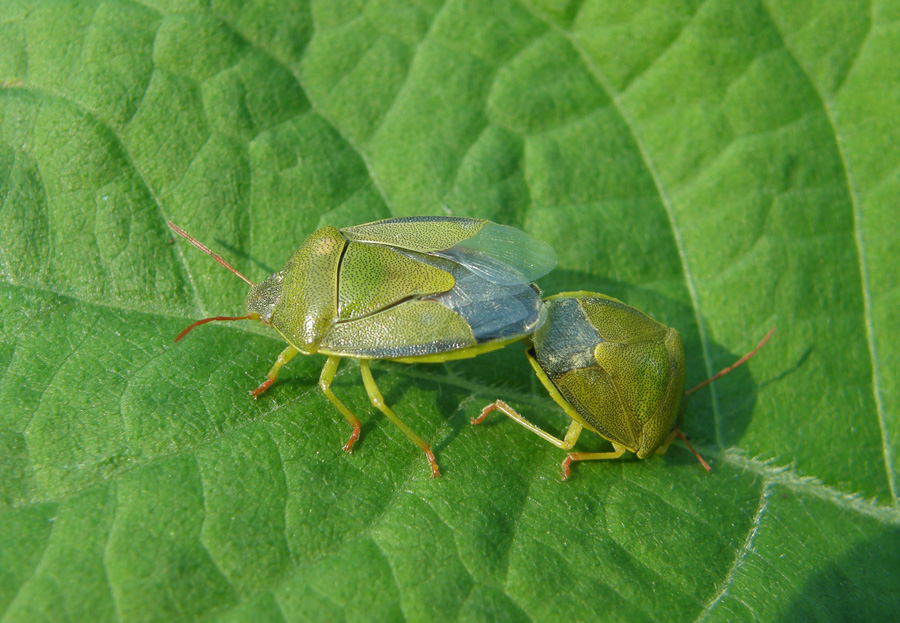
[(723, 165)]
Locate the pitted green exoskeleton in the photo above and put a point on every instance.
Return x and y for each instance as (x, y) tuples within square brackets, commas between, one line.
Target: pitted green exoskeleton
[(414, 290), (614, 370)]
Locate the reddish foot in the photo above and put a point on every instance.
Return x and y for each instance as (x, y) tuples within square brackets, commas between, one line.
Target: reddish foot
[(566, 472), (256, 392), (348, 447), (435, 472), (484, 414)]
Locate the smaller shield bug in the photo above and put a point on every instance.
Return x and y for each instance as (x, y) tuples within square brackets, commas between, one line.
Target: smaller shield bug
[(615, 371)]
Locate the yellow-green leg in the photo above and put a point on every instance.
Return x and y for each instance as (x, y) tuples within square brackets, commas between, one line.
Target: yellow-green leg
[(668, 442), (572, 434), (591, 456), (286, 355), (328, 372), (563, 444), (378, 402)]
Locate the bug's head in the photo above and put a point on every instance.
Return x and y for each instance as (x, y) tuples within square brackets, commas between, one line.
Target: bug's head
[(262, 298)]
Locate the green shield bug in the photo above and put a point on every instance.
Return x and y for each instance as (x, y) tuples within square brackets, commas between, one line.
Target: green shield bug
[(414, 290), (615, 371)]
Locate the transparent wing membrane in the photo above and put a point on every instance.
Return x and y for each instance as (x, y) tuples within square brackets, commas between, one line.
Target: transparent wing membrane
[(503, 255)]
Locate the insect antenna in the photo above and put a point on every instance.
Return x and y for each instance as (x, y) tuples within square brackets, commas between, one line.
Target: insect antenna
[(691, 448), (206, 250), (205, 320), (743, 359)]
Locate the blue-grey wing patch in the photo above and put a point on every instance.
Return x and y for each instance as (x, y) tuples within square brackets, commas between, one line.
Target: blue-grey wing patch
[(493, 311), (567, 341)]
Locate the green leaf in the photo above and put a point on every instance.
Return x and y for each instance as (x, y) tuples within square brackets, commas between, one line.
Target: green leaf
[(725, 166)]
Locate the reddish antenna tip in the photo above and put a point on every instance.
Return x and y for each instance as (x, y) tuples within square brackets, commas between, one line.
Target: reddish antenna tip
[(206, 250), (743, 359), (691, 448), (205, 320)]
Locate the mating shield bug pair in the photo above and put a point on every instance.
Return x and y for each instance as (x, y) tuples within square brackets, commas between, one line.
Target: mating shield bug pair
[(434, 289)]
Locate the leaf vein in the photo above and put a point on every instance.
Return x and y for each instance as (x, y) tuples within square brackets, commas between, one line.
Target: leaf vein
[(745, 550), (853, 194)]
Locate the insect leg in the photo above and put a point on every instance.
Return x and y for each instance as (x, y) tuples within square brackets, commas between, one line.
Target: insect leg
[(563, 444), (328, 372), (665, 445), (286, 355), (591, 456), (378, 402)]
